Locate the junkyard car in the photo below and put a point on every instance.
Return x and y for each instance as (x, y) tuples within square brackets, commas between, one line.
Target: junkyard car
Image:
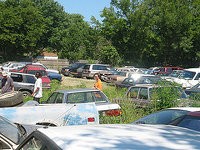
[(112, 137), (138, 79), (89, 70), (12, 134), (188, 78), (104, 106), (54, 76), (142, 94), (194, 90), (52, 114), (22, 82), (187, 117)]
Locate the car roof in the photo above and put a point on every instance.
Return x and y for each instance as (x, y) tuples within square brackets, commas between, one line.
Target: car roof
[(99, 64), (143, 75), (20, 73), (34, 67), (193, 69), (145, 85), (123, 136), (76, 90), (191, 109)]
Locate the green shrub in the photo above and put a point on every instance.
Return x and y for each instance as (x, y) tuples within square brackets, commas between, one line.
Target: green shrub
[(195, 100)]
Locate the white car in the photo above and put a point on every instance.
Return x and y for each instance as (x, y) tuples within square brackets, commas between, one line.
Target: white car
[(86, 95), (12, 66), (52, 114), (112, 137), (189, 77)]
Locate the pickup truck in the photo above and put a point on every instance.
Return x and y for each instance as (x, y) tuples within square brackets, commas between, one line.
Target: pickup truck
[(52, 114), (86, 95)]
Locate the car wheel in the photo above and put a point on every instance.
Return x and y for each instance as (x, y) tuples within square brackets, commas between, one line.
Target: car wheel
[(26, 93)]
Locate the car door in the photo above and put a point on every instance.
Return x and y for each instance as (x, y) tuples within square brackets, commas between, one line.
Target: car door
[(52, 98), (59, 98), (133, 93), (17, 81), (143, 93)]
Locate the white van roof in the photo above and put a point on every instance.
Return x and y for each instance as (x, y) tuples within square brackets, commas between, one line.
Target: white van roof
[(193, 69)]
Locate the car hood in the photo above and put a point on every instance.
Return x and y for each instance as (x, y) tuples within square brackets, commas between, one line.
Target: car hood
[(121, 136)]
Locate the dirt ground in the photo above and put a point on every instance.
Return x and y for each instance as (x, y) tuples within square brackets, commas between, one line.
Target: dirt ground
[(76, 82)]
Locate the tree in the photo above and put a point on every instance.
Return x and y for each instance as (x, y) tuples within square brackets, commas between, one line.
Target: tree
[(153, 32), (21, 26), (109, 55)]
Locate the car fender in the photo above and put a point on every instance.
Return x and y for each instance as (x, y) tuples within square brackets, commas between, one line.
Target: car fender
[(57, 114)]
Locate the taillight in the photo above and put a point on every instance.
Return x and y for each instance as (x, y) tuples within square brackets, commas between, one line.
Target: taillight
[(115, 112), (91, 119)]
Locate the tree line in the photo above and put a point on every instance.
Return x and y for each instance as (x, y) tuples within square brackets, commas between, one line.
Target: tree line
[(132, 32)]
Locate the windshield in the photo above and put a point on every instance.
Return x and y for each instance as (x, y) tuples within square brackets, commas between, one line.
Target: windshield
[(43, 72), (9, 130), (187, 74), (175, 73), (147, 80), (162, 117)]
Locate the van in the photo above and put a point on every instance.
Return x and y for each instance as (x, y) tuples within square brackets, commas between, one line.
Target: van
[(89, 70)]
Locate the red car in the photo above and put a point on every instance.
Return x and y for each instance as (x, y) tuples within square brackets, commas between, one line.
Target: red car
[(166, 70), (32, 69)]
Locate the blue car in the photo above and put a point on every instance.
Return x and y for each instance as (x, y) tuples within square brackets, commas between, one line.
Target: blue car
[(54, 76)]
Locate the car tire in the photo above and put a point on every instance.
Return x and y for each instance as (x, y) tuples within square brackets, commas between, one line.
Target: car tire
[(26, 93), (10, 99)]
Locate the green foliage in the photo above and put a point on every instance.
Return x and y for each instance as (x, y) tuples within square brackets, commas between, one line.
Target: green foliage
[(152, 32), (195, 99), (109, 55)]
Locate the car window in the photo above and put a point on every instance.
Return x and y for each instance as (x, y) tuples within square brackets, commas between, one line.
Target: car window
[(30, 79), (43, 72), (98, 96), (168, 70), (86, 67), (126, 81), (190, 122), (143, 93), (59, 98), (17, 77), (32, 144), (197, 77), (52, 98), (133, 92), (4, 145), (99, 67), (162, 117), (188, 75), (77, 97), (89, 97), (9, 130)]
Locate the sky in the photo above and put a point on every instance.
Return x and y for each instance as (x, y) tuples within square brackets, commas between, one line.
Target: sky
[(86, 8)]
